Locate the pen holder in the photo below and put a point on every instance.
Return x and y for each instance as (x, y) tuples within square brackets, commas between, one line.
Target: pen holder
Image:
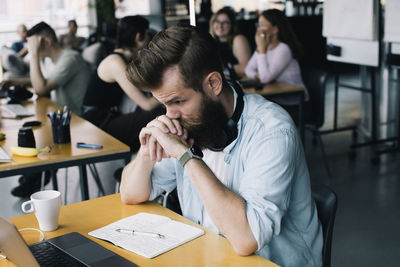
[(61, 134)]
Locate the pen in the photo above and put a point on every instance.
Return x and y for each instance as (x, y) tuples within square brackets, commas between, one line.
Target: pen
[(50, 117), (64, 116), (68, 117), (133, 232), (89, 146), (54, 118)]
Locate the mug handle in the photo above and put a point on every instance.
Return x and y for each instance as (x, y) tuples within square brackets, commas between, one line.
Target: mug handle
[(26, 203)]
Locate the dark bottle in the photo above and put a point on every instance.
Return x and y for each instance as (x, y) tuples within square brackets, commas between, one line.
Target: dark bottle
[(26, 137)]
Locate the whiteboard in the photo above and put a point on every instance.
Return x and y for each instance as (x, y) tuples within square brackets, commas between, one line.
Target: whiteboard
[(359, 52), (392, 21), (352, 19)]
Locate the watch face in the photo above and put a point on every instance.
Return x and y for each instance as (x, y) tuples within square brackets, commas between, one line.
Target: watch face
[(196, 151)]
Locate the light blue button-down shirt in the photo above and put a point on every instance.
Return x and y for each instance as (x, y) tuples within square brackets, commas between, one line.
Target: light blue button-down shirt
[(267, 168)]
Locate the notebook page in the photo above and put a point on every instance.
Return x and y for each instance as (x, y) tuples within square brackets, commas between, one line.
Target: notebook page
[(4, 157), (175, 233)]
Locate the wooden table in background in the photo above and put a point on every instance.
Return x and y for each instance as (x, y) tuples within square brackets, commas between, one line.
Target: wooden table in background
[(281, 89), (276, 89), (83, 217), (61, 155)]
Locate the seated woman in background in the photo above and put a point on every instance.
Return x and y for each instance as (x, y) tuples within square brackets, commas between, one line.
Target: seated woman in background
[(109, 84), (277, 54), (234, 48)]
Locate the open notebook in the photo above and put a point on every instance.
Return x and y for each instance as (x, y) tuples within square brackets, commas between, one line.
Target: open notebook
[(175, 234), (16, 110)]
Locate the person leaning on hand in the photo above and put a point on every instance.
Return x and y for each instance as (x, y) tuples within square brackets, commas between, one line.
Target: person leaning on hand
[(62, 73), (276, 58), (236, 159)]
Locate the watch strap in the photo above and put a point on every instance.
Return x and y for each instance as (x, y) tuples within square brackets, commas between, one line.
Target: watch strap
[(187, 156)]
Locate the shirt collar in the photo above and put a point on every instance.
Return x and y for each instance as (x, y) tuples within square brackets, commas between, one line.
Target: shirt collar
[(229, 147)]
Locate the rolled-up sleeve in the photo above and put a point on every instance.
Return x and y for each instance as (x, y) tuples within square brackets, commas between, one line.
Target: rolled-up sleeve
[(163, 177), (64, 71), (266, 182), (251, 67), (272, 64)]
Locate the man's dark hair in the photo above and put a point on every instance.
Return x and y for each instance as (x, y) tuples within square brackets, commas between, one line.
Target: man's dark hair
[(127, 29), (193, 52), (42, 29), (73, 21)]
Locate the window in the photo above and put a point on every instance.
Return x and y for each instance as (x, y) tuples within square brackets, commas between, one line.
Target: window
[(55, 12)]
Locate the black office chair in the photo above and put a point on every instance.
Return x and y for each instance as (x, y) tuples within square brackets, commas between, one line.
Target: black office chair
[(314, 110), (326, 201)]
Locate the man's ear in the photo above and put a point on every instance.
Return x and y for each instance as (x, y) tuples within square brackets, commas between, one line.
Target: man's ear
[(212, 84), (139, 37)]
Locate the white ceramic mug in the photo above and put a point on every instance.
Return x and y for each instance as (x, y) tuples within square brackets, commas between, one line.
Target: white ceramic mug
[(46, 205)]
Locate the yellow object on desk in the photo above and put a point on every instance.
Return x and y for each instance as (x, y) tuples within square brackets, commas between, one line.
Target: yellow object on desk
[(61, 155), (83, 217), (28, 151)]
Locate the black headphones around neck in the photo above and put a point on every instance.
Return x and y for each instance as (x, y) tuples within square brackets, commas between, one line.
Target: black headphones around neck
[(230, 131)]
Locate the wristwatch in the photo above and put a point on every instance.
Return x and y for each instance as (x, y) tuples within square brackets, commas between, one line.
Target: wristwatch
[(192, 152)]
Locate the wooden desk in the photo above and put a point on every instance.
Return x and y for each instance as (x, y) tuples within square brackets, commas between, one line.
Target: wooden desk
[(83, 217), (275, 89), (280, 89), (61, 155)]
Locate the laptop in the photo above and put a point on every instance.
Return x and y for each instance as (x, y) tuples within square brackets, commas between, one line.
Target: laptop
[(72, 249)]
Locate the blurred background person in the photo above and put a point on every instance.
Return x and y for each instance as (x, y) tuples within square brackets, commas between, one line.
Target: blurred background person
[(70, 39), (15, 59), (109, 84), (276, 58), (20, 47), (60, 72), (234, 48)]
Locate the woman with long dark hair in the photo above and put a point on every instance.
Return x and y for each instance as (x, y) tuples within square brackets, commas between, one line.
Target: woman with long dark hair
[(277, 55), (109, 84)]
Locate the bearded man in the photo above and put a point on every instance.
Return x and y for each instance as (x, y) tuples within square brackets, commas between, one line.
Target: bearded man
[(236, 159)]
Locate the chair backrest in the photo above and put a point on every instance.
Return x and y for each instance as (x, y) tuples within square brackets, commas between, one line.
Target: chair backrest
[(93, 54), (315, 81), (326, 201), (157, 23)]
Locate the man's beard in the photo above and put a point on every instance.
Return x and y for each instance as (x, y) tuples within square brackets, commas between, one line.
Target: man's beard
[(208, 128)]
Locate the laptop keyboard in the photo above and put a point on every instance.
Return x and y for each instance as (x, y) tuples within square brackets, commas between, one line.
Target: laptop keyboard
[(49, 255)]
